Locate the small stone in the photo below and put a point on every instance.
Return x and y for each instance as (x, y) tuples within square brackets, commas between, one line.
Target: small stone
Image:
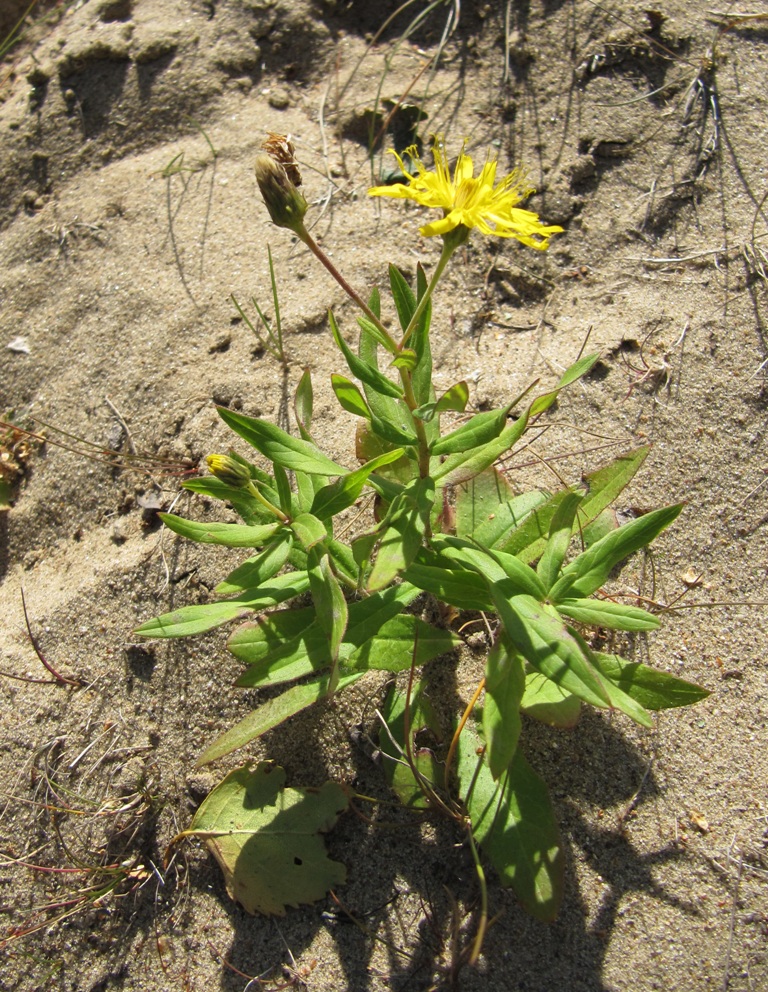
[(279, 98)]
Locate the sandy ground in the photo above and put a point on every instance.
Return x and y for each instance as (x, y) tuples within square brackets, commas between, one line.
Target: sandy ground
[(123, 238)]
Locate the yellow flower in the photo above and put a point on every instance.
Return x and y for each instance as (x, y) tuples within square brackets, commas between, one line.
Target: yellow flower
[(468, 201)]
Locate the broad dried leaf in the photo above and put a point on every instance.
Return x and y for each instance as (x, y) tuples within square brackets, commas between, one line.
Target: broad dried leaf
[(266, 838)]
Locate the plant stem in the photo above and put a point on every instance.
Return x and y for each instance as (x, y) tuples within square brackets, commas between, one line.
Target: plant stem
[(318, 252), (448, 249), (254, 491)]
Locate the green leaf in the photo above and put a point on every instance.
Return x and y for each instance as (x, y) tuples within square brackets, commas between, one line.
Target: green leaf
[(255, 571), (271, 714), (400, 642), (309, 530), (374, 302), (604, 613), (454, 398), (559, 538), (539, 634), (284, 494), (548, 703), (487, 508), (653, 689), (337, 496), (280, 647), (197, 619), (504, 685), (349, 396), (303, 405), (617, 698), (465, 465), (587, 572), (462, 589), (481, 429), (328, 598), (368, 327), (280, 447), (527, 540), (402, 294), (385, 409), (576, 371), (362, 370), (421, 379), (515, 824), (291, 643), (266, 838), (421, 717), (403, 531), (493, 565), (228, 535), (248, 507)]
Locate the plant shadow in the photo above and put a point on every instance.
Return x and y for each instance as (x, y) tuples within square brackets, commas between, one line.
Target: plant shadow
[(406, 917)]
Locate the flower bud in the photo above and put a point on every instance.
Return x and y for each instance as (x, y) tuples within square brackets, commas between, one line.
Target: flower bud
[(229, 470), (284, 202)]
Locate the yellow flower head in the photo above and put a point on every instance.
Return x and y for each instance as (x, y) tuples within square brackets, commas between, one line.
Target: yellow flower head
[(470, 201)]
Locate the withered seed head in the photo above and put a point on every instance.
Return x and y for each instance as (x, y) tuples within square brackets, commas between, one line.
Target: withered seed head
[(280, 147), (284, 202)]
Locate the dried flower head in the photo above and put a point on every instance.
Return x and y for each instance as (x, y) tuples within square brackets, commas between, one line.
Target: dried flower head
[(284, 202), (280, 147)]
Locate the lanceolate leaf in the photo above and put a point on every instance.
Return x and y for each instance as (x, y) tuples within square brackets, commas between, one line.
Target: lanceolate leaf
[(540, 636), (403, 532), (280, 447), (252, 573), (271, 714), (457, 586), (405, 301), (291, 643), (400, 642), (229, 535), (248, 507), (493, 565), (337, 496), (280, 647), (515, 824), (369, 328), (576, 371), (267, 841), (349, 396), (362, 370), (455, 398), (559, 538), (487, 508), (481, 429), (328, 598), (465, 465), (504, 685), (528, 539), (591, 568), (303, 404), (197, 619), (604, 613), (653, 689)]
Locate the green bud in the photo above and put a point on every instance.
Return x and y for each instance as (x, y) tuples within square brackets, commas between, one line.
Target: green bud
[(284, 202), (229, 470)]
